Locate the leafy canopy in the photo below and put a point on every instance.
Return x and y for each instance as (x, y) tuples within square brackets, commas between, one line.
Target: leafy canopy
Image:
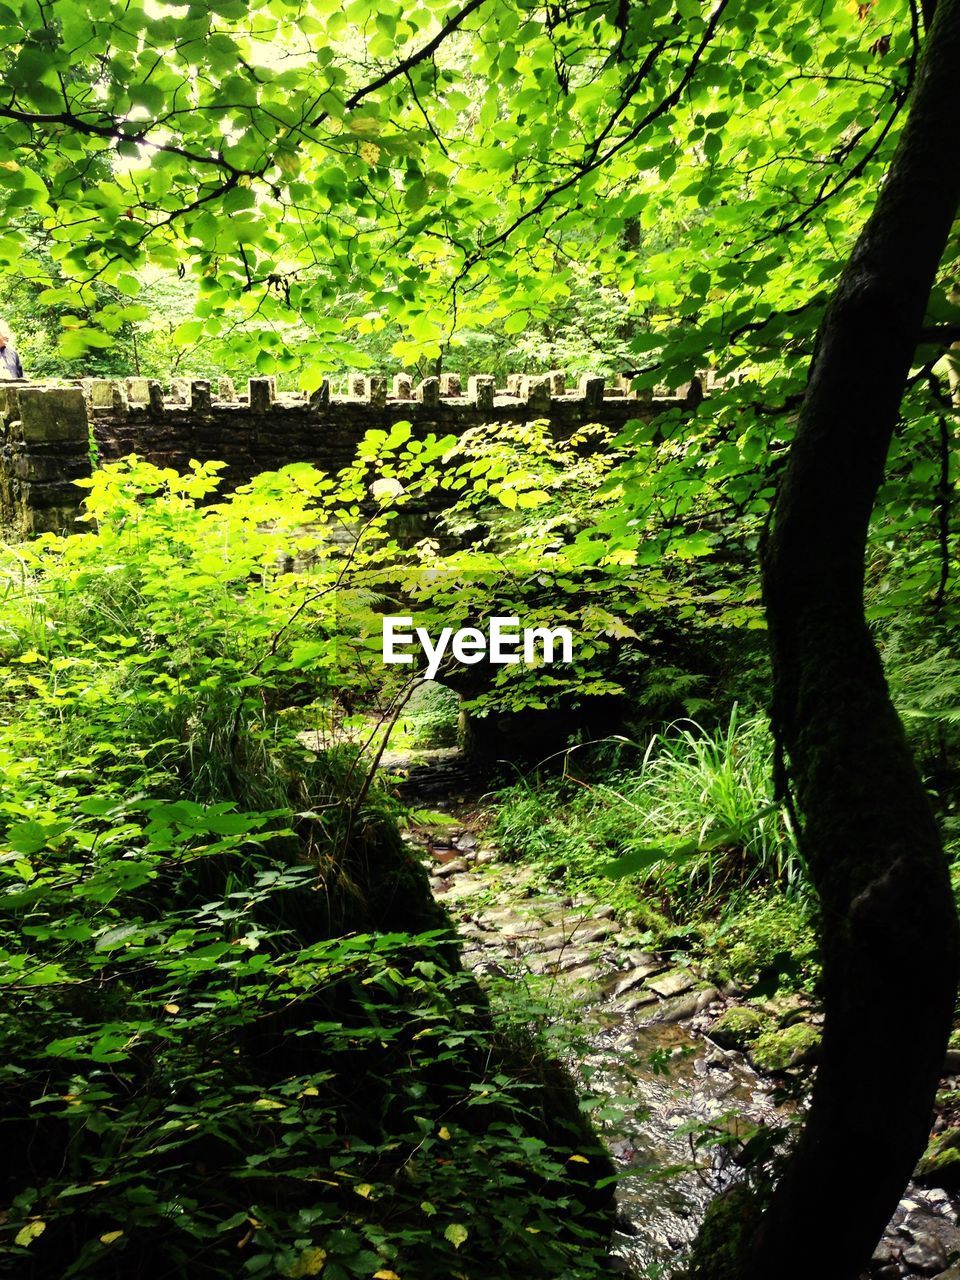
[(452, 164)]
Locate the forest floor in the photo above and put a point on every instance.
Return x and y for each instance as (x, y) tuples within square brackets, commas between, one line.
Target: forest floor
[(684, 1079)]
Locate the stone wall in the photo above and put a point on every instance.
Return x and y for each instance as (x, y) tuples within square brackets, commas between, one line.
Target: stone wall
[(44, 448), (48, 430)]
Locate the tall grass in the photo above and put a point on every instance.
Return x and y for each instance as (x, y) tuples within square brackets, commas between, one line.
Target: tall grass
[(689, 789)]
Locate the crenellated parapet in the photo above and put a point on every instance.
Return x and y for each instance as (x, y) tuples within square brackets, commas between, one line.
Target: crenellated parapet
[(49, 432)]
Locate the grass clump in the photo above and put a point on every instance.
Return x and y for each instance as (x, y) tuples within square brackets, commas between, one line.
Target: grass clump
[(695, 815)]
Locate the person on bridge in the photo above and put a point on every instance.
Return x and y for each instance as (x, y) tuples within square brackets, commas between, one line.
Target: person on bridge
[(10, 366)]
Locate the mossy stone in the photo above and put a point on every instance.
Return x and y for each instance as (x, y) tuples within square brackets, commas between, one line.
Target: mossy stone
[(779, 1049), (940, 1164), (724, 1239), (739, 1026)]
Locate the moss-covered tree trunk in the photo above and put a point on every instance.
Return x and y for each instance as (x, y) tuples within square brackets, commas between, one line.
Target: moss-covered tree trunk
[(876, 858)]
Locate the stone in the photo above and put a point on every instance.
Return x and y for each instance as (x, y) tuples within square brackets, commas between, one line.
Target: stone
[(940, 1163), (155, 396), (636, 1000), (926, 1254), (782, 1048), (582, 973), (481, 389), (428, 392), (137, 390), (952, 1274), (200, 395), (54, 414), (537, 395), (514, 381), (320, 397), (591, 389), (402, 387), (558, 382), (463, 886), (672, 983), (226, 391), (261, 393), (574, 958), (121, 402), (100, 392), (375, 391), (582, 932), (738, 1027), (677, 1008), (449, 868), (357, 386), (450, 384)]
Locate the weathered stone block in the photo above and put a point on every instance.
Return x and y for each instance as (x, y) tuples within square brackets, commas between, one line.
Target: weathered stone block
[(180, 390), (481, 388), (137, 390), (537, 394), (201, 397), (428, 391), (261, 393), (450, 384), (375, 391), (514, 383), (54, 414), (558, 382), (402, 387), (321, 396), (226, 391), (121, 402), (155, 396), (100, 392), (590, 389), (356, 386)]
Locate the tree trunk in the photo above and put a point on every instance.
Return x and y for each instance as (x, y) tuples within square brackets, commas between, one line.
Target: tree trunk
[(875, 854)]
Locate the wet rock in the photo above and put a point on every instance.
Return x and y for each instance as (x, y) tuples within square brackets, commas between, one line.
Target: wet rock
[(672, 983), (882, 1254), (926, 1254), (580, 932), (582, 973), (639, 973), (484, 856), (464, 886), (466, 842), (636, 1000), (450, 868), (683, 1006), (952, 1274), (573, 957)]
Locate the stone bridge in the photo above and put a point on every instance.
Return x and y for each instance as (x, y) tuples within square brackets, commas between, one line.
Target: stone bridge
[(52, 434)]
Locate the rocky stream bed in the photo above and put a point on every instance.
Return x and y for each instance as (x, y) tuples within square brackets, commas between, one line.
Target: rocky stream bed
[(672, 1059)]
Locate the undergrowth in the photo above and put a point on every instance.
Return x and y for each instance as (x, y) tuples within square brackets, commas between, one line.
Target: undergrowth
[(684, 839), (235, 1036)]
